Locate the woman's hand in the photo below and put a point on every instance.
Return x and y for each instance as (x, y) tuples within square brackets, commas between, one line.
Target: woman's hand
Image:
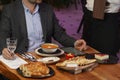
[(80, 45)]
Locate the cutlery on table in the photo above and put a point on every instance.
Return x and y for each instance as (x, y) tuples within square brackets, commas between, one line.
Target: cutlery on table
[(28, 56)]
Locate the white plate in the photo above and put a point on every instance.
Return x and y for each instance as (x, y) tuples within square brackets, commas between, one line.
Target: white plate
[(49, 60), (41, 53)]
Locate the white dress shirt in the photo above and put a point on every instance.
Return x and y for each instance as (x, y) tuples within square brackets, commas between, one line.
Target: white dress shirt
[(112, 8), (34, 28)]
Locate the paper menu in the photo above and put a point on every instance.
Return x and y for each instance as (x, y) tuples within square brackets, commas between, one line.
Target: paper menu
[(13, 64)]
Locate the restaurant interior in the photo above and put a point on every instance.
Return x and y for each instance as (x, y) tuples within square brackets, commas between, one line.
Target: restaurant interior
[(70, 16)]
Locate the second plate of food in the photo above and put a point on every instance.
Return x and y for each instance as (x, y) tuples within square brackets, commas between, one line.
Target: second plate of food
[(49, 60)]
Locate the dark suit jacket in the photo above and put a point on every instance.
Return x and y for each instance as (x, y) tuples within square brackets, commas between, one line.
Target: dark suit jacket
[(13, 24)]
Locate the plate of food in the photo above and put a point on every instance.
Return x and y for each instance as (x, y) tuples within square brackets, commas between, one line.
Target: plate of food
[(77, 64), (35, 70), (100, 57), (49, 60), (40, 52)]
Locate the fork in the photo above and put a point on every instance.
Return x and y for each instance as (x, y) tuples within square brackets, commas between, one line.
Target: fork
[(32, 57), (29, 56)]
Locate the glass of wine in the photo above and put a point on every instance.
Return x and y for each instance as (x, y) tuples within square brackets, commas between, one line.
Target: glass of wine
[(11, 45)]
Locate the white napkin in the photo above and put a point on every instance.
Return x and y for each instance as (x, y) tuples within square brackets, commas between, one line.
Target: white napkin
[(13, 64)]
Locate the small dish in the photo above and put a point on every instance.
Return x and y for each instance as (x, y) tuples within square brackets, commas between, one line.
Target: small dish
[(49, 47), (59, 52), (49, 60)]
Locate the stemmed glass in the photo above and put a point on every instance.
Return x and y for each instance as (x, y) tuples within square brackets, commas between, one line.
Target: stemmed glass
[(11, 45)]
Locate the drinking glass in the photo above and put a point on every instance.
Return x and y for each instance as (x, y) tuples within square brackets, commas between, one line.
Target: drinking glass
[(11, 45)]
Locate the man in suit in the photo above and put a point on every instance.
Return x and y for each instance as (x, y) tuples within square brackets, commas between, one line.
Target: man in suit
[(32, 23), (101, 32)]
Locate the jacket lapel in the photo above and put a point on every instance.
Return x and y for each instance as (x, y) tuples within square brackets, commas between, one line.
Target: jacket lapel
[(22, 21), (42, 12)]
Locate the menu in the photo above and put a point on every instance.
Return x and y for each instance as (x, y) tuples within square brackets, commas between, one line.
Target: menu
[(13, 64)]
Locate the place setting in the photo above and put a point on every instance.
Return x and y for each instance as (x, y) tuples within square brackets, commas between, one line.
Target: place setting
[(26, 64), (16, 61), (39, 67)]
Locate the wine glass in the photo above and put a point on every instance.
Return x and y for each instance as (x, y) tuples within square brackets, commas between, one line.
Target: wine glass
[(11, 45)]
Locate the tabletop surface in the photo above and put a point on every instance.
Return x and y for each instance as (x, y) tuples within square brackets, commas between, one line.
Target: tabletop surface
[(101, 72)]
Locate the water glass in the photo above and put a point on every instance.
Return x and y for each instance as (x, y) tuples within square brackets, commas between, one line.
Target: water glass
[(11, 44)]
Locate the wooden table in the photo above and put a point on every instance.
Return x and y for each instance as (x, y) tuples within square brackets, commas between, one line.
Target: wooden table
[(101, 72)]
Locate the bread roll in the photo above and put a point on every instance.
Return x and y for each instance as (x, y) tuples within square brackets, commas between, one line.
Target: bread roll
[(34, 69)]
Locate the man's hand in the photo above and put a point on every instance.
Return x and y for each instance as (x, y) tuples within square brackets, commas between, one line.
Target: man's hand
[(7, 55), (80, 45)]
